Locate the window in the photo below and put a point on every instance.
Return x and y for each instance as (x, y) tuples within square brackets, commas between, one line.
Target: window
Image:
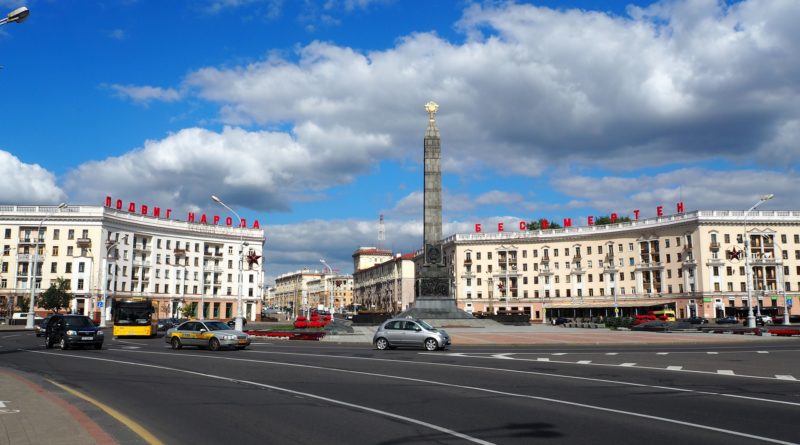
[(666, 242), (478, 256), (489, 255), (80, 283), (81, 267), (524, 254), (230, 264), (620, 247), (588, 250), (630, 247), (797, 239), (630, 261), (479, 282), (71, 234), (157, 291), (251, 278), (158, 243), (524, 267), (8, 233), (69, 250), (715, 271), (524, 280), (783, 238), (158, 258), (6, 250), (4, 267), (69, 268), (230, 250), (478, 268), (56, 234), (85, 233)]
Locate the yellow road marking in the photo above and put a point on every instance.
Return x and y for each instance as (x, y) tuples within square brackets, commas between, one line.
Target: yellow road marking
[(122, 418)]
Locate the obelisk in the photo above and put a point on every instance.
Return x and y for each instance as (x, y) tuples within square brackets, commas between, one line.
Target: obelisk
[(433, 299)]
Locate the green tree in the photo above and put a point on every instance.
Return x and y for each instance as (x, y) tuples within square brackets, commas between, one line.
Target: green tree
[(537, 225), (603, 220), (188, 310), (56, 297)]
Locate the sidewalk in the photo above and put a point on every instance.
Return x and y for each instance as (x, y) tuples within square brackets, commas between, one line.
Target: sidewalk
[(31, 415)]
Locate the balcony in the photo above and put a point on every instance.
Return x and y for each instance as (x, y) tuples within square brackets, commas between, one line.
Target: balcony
[(649, 265), (545, 261), (28, 257), (577, 259), (216, 253), (31, 240), (545, 272), (214, 269), (715, 262), (468, 275), (468, 260), (714, 246), (84, 243), (179, 253), (141, 247), (141, 263)]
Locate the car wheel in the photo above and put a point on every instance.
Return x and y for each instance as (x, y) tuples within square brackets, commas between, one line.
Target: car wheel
[(431, 344), (63, 344), (213, 344), (176, 343), (47, 343), (382, 343)]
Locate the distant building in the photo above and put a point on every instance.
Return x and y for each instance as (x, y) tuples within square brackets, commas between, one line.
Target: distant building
[(691, 262), (366, 257), (331, 289), (386, 286), (176, 263)]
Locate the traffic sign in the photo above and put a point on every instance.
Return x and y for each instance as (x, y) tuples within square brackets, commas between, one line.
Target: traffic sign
[(100, 304)]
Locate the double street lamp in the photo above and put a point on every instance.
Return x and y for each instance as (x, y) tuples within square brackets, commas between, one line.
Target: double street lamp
[(239, 315), (751, 319), (31, 313), (104, 310)]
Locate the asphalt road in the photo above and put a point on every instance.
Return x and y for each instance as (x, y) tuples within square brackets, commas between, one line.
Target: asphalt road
[(309, 392)]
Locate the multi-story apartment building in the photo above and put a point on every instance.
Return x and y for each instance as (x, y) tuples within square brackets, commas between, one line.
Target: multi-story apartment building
[(291, 290), (386, 286), (366, 257), (176, 263), (331, 290), (692, 262)]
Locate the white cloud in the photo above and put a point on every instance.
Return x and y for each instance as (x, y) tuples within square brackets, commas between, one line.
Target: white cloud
[(680, 81), (145, 94), (497, 197), (118, 34), (264, 171), (22, 183)]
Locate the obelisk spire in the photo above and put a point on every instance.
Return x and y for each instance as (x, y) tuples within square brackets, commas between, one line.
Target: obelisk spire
[(433, 179)]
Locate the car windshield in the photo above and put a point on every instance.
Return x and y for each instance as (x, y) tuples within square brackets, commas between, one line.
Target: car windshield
[(425, 325), (217, 326), (79, 322)]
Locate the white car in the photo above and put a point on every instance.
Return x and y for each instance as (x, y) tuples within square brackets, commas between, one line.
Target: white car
[(764, 319)]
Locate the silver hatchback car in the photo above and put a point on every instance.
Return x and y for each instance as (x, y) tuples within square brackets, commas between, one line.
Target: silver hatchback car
[(409, 332)]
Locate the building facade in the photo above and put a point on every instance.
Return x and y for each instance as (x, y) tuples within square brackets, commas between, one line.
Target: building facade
[(99, 249), (692, 262), (331, 290), (386, 286)]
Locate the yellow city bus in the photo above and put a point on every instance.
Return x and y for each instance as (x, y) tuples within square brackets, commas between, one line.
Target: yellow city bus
[(665, 315), (134, 317)]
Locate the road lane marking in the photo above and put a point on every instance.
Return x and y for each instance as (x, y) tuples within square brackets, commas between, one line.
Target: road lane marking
[(628, 364), (142, 432), (763, 352), (784, 377), (662, 353), (712, 353), (725, 372), (584, 362), (559, 353), (262, 385), (542, 359), (505, 356), (611, 353), (410, 379), (674, 368)]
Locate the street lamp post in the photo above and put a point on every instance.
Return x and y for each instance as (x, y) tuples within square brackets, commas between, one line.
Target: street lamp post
[(751, 319), (239, 314), (29, 321), (330, 269), (16, 16), (109, 245)]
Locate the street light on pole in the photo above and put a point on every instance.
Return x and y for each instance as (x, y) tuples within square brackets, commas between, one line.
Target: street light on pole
[(330, 269), (239, 325), (31, 309), (751, 319), (109, 245), (16, 16)]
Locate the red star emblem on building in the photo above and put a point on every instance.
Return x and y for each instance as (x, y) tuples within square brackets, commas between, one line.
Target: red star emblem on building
[(252, 258), (735, 254)]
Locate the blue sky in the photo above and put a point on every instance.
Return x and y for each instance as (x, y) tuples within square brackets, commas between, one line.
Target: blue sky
[(308, 115)]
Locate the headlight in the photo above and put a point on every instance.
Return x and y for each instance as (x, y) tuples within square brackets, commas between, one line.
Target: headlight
[(71, 332), (99, 332), (230, 337)]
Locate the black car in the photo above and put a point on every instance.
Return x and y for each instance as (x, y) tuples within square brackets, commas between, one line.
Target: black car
[(561, 320), (72, 330), (730, 319), (232, 322), (167, 323), (697, 320)]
